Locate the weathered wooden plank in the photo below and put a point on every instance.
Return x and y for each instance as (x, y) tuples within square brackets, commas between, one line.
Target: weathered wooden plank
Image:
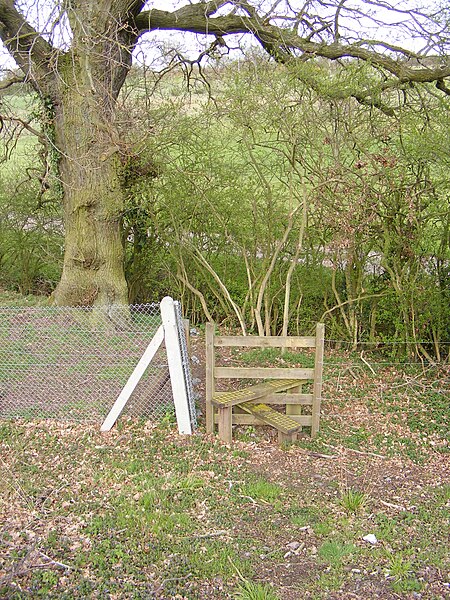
[(225, 424), (318, 374), (241, 419), (294, 408), (263, 373), (289, 399), (271, 417), (302, 419), (253, 341), (210, 359), (253, 392), (279, 398)]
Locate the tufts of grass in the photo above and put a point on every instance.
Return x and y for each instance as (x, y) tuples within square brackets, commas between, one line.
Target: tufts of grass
[(334, 552), (399, 567), (400, 571), (262, 490), (255, 591), (354, 501)]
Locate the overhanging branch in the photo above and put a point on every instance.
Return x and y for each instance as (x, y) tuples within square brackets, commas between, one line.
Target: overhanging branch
[(28, 48), (284, 44), (9, 81)]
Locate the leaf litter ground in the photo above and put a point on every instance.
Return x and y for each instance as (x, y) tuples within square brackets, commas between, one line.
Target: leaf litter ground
[(143, 513)]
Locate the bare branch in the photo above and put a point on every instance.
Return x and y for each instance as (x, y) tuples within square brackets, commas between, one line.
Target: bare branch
[(28, 48), (442, 87), (6, 83), (286, 46)]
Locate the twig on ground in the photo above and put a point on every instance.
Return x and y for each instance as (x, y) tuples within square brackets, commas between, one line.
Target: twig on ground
[(397, 506), (165, 581), (319, 455), (366, 363), (356, 451), (54, 562), (252, 500)]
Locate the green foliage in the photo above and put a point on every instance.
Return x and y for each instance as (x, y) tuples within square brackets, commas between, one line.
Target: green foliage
[(234, 170), (30, 240), (334, 552), (255, 591), (221, 194), (262, 490), (354, 501)]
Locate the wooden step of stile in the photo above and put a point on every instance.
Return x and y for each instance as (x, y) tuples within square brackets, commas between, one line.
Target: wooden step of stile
[(268, 415), (255, 392)]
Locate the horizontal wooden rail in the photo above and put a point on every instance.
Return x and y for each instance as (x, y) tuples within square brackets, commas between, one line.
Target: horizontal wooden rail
[(303, 399), (262, 373), (240, 419), (252, 341), (280, 398)]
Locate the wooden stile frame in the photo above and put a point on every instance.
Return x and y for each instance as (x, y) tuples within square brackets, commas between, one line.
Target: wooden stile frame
[(292, 398)]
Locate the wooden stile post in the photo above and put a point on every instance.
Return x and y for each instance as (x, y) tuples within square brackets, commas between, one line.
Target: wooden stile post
[(291, 409), (318, 374), (210, 388), (225, 424)]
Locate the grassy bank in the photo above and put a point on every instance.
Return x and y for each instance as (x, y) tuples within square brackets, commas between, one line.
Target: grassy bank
[(144, 513)]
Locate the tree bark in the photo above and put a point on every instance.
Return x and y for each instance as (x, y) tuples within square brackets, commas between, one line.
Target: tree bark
[(93, 201)]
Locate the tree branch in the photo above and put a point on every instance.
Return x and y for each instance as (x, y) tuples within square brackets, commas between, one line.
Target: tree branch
[(442, 87), (284, 44), (9, 81), (28, 48)]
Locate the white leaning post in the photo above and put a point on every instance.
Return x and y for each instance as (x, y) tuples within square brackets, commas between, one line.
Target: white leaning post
[(175, 361), (168, 332)]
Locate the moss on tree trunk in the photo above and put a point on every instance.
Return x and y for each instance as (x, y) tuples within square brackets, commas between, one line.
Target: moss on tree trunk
[(93, 200)]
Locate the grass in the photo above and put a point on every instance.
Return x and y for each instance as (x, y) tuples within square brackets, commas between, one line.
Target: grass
[(142, 512), (334, 552), (354, 501), (274, 357), (255, 591)]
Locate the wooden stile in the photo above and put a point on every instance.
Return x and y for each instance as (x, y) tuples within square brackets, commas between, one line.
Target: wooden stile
[(251, 405)]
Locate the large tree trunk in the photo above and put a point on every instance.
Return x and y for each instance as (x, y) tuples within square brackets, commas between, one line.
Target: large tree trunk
[(89, 155), (93, 271)]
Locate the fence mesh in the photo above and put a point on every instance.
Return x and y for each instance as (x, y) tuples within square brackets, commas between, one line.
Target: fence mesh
[(182, 340), (72, 363)]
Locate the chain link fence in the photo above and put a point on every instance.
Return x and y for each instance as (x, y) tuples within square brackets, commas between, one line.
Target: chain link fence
[(72, 363), (182, 340)]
